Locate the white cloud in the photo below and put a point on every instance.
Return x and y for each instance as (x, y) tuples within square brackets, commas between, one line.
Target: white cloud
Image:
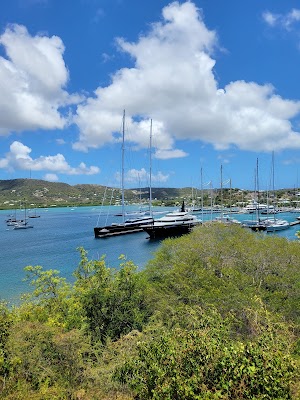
[(60, 141), (172, 81), (167, 154), (18, 158), (292, 17), (160, 177), (142, 177), (270, 18), (32, 80), (51, 177), (285, 21)]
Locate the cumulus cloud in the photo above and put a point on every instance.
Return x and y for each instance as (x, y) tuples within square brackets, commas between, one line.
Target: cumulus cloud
[(166, 154), (18, 158), (33, 77), (138, 176), (286, 21), (60, 141), (51, 178), (270, 18), (172, 81)]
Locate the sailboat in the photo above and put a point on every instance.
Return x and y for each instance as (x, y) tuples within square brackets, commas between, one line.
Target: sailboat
[(35, 215), (127, 226), (275, 224), (225, 218), (24, 223), (256, 224)]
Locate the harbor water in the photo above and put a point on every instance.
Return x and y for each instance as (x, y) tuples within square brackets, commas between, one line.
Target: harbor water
[(56, 236)]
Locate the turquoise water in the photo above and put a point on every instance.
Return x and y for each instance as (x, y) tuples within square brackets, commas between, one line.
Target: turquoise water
[(53, 241), (56, 235)]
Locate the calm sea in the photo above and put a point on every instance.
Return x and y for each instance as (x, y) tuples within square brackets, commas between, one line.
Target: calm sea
[(57, 234)]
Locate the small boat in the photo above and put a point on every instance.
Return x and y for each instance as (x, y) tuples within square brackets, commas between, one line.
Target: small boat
[(256, 225), (267, 224), (226, 219), (269, 210), (13, 221), (276, 225), (22, 225), (175, 223), (32, 215), (255, 207), (294, 210)]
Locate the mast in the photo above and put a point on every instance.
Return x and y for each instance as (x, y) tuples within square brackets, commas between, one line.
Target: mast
[(257, 187), (273, 185), (211, 200), (122, 174), (221, 191), (230, 196), (201, 177), (150, 170)]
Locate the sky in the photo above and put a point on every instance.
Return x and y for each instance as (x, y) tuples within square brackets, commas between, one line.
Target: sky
[(216, 82)]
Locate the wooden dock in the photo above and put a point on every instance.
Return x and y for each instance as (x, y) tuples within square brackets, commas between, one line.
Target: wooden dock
[(297, 222)]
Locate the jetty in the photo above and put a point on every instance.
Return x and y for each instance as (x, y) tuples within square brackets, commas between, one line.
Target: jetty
[(297, 222)]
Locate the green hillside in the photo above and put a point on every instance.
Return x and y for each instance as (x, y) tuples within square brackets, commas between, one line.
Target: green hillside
[(45, 194), (40, 193)]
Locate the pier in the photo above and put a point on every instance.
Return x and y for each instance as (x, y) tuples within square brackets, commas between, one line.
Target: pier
[(297, 222)]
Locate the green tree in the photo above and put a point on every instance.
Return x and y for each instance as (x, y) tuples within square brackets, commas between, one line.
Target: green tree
[(113, 301), (203, 361), (227, 266)]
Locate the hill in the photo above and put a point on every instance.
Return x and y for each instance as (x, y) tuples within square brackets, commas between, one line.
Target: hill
[(45, 194), (40, 193)]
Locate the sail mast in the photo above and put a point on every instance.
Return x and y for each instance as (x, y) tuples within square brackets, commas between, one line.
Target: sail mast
[(150, 170), (221, 191), (201, 179), (122, 174), (273, 185), (257, 187)]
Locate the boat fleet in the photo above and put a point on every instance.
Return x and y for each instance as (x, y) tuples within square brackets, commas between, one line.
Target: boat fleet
[(23, 223), (182, 221)]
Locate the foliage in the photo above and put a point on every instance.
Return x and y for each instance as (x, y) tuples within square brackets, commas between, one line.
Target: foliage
[(114, 302), (226, 266), (47, 357), (205, 362)]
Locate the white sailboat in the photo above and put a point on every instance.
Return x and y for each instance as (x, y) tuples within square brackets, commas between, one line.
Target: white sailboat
[(256, 224), (131, 225), (224, 217), (24, 223), (275, 224)]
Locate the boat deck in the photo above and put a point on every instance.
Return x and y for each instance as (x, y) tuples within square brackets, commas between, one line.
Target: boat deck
[(99, 235)]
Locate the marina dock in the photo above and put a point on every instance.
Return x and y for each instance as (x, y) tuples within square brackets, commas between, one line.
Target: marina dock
[(297, 222)]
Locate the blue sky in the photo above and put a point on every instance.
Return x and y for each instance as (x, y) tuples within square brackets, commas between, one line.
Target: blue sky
[(219, 80)]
